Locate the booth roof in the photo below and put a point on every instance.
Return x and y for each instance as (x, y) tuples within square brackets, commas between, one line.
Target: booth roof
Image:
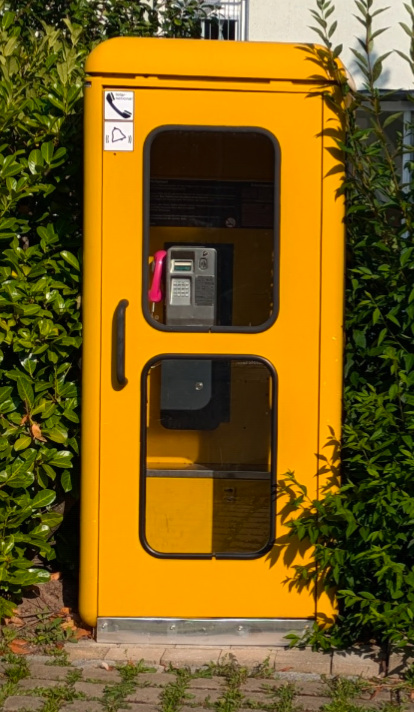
[(156, 56)]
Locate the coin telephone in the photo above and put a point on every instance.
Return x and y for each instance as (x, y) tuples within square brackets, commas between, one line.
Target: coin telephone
[(194, 393), (190, 284)]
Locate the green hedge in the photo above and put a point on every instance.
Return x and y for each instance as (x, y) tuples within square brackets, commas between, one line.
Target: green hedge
[(364, 534), (42, 53)]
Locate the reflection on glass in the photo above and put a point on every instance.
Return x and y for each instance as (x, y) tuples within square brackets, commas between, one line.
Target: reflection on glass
[(208, 483)]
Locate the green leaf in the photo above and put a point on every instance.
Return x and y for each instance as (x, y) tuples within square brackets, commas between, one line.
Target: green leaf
[(47, 150), (49, 471), (20, 478), (7, 19), (360, 339), (35, 160), (5, 392), (52, 519), (10, 46), (70, 258), (23, 442), (57, 434), (43, 499), (63, 459), (29, 365), (66, 481), (25, 390)]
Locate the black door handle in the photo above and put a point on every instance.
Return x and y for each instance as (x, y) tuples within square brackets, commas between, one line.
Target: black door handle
[(120, 342)]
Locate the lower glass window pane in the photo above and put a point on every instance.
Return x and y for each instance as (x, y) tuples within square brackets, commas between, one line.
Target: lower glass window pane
[(209, 442)]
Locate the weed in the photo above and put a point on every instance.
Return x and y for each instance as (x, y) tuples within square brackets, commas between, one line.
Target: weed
[(235, 675), (343, 692), (284, 697), (231, 670), (173, 694), (231, 701), (114, 695), (131, 670), (73, 675), (55, 696), (343, 688), (6, 691), (49, 631), (264, 669), (17, 668), (59, 657), (409, 676)]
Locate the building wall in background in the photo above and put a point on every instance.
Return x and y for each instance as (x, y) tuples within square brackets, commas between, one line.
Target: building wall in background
[(290, 20)]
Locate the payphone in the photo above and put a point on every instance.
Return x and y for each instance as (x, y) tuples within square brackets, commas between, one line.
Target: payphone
[(192, 391), (213, 281), (190, 285)]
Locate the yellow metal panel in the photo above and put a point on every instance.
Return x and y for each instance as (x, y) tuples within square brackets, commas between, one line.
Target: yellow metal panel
[(258, 587), (169, 57), (91, 382)]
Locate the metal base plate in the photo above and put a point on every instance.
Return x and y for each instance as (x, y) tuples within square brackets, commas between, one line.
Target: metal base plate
[(200, 631)]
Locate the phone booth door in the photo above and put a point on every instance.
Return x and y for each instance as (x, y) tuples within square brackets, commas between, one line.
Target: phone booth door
[(211, 233)]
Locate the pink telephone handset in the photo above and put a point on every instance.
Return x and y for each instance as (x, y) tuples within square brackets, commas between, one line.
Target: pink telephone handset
[(155, 292)]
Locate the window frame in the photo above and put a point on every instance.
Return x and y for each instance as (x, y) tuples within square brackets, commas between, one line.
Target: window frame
[(146, 230)]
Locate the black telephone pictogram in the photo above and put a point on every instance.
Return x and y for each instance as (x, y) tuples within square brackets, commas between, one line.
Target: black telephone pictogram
[(111, 101)]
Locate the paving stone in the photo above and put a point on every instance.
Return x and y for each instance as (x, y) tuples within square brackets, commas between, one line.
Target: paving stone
[(87, 652), (309, 688), (400, 660), (313, 688), (150, 654), (206, 683), (146, 695), (187, 656), (155, 679), (91, 689), (256, 684), (41, 671), (377, 694), (305, 660), (254, 699), (364, 662), (250, 657), (16, 703), (29, 684), (147, 708), (311, 704), (199, 697), (83, 706), (96, 674), (35, 658)]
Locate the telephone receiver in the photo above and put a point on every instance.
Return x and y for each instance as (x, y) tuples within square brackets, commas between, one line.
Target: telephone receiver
[(155, 291), (111, 101)]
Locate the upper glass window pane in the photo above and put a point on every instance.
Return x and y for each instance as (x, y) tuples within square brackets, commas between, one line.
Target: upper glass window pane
[(211, 223)]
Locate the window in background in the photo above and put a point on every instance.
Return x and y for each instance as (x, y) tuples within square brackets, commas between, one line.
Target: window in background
[(227, 22), (400, 127)]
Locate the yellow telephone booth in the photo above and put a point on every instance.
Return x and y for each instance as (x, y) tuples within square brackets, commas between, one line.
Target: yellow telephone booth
[(212, 353)]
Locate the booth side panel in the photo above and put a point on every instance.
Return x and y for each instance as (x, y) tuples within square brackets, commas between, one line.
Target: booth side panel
[(331, 335), (88, 594)]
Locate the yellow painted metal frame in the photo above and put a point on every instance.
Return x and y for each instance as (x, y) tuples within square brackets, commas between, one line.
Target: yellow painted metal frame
[(250, 69)]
